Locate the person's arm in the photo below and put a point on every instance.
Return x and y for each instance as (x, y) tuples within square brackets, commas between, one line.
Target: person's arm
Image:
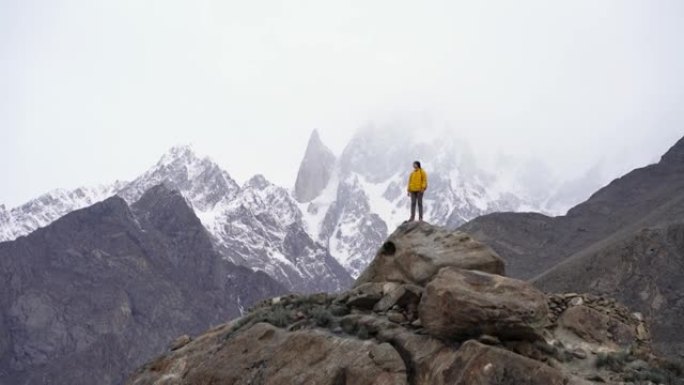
[(408, 186), (424, 181)]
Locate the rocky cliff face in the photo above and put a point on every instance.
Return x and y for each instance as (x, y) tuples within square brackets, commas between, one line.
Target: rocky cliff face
[(444, 315), (96, 293)]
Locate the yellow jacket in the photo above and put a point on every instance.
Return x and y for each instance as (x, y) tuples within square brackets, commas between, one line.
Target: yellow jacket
[(417, 181)]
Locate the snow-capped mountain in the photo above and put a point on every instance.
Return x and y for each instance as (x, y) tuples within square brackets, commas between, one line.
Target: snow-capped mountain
[(48, 207), (258, 225), (366, 197), (325, 231), (262, 228), (203, 183)]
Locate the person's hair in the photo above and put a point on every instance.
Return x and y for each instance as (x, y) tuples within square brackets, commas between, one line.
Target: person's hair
[(417, 163)]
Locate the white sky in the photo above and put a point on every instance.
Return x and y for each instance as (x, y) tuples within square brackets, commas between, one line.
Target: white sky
[(93, 91)]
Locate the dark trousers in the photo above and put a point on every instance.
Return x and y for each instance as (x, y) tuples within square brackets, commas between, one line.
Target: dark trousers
[(416, 197)]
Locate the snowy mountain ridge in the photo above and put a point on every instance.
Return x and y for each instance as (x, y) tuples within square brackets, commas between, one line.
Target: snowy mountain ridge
[(257, 225), (45, 209), (324, 231)]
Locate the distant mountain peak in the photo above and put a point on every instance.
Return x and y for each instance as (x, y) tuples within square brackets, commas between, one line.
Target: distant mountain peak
[(314, 135), (185, 159), (315, 170), (185, 152), (201, 180)]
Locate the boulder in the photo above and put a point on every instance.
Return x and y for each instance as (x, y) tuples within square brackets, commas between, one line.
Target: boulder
[(594, 326), (264, 354), (430, 360), (365, 296), (404, 296), (478, 364), (460, 303), (416, 251)]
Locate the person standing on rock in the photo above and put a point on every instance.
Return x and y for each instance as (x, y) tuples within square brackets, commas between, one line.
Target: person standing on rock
[(417, 185)]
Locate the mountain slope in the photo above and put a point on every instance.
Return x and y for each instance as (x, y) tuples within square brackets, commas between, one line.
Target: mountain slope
[(643, 270), (533, 243), (90, 296)]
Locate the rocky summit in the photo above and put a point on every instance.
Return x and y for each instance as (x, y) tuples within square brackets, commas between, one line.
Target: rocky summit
[(433, 308)]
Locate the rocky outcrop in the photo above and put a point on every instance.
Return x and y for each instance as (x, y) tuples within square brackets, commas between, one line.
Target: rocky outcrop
[(382, 332), (459, 303), (416, 251)]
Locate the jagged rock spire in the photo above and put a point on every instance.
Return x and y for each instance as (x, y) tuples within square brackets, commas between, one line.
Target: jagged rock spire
[(315, 169)]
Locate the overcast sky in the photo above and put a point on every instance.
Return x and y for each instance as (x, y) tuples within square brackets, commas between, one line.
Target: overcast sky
[(93, 91)]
